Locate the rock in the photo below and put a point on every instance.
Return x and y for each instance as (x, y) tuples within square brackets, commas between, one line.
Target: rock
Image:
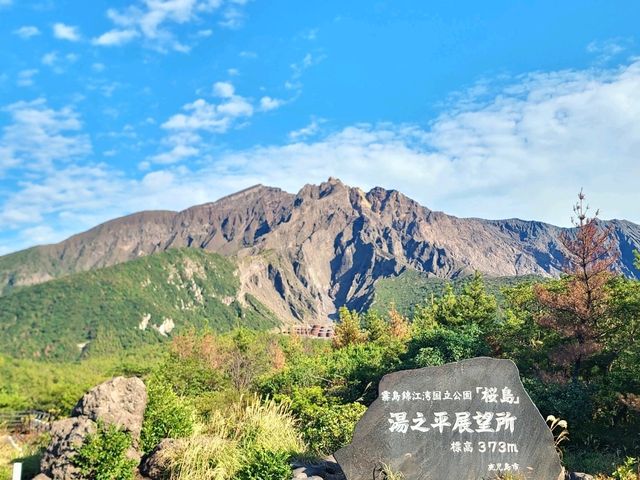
[(155, 464), (66, 435), (120, 401), (323, 470), (41, 476), (579, 476), (468, 420)]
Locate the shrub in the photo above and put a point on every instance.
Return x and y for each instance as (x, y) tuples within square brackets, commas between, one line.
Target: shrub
[(325, 426), (331, 428), (265, 464), (166, 416), (629, 470), (443, 345), (102, 456)]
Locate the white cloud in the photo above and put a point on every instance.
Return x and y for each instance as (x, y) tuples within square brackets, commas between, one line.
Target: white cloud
[(27, 31), (606, 50), (5, 3), (223, 89), (57, 62), (232, 17), (308, 61), (202, 116), (218, 118), (522, 149), (66, 32), (153, 20), (268, 103), (25, 77), (312, 129), (50, 58), (182, 145), (311, 34), (115, 37), (38, 136)]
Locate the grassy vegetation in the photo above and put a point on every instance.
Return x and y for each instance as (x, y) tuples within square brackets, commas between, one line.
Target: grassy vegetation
[(28, 452), (56, 386), (99, 312)]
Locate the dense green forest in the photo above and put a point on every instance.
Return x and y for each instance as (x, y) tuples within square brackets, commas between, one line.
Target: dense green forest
[(123, 307)]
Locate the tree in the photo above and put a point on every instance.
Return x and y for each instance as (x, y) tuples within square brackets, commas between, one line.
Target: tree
[(374, 325), (348, 331), (399, 327), (576, 308), (472, 305)]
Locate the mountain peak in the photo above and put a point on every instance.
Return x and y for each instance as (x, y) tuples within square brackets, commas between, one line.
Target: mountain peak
[(306, 254)]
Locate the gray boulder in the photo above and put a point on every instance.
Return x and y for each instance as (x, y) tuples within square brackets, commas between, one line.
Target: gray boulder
[(66, 436), (156, 464), (41, 476), (120, 401)]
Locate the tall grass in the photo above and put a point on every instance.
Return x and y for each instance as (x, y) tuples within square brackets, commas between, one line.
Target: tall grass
[(230, 439)]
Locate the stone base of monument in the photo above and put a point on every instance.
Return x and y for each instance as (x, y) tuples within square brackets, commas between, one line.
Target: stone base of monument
[(326, 469), (469, 420)]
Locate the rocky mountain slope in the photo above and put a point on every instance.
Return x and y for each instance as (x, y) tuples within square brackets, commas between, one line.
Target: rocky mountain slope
[(304, 255)]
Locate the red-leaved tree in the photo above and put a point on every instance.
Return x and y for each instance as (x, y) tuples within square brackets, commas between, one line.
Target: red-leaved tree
[(576, 309)]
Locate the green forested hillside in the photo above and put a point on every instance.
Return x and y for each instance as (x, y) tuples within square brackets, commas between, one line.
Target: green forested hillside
[(412, 288), (127, 305)]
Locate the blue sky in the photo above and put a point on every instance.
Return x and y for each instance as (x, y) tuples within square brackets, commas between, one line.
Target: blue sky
[(493, 109)]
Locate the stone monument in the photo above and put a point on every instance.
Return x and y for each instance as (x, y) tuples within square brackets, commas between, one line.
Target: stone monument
[(469, 420)]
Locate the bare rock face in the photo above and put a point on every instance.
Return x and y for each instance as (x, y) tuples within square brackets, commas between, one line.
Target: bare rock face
[(66, 436), (306, 254), (120, 401)]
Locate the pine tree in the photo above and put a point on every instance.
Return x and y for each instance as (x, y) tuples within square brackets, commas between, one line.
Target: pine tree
[(348, 331), (577, 311)]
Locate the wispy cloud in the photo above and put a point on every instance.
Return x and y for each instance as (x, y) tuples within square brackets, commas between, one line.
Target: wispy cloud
[(153, 21), (37, 136), (57, 62), (27, 31), (202, 116), (520, 147), (25, 77), (62, 31), (308, 61), (115, 37), (311, 129), (605, 50)]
